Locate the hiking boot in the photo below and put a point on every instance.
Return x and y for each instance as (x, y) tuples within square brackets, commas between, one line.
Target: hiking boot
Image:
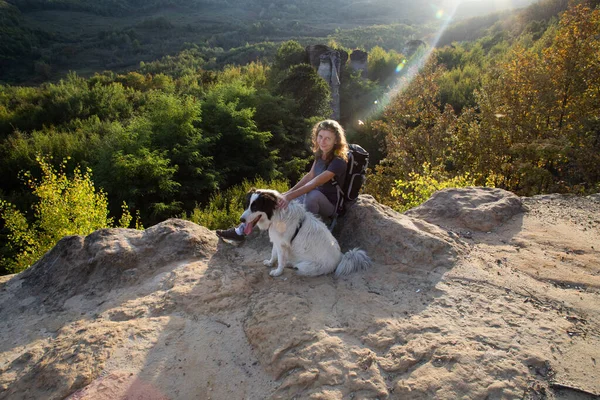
[(229, 234)]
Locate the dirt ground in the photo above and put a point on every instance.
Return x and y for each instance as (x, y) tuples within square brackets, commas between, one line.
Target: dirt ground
[(477, 294)]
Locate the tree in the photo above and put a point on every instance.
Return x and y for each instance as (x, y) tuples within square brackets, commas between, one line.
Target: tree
[(239, 149), (290, 53), (540, 109), (311, 92), (382, 65), (417, 132), (65, 206)]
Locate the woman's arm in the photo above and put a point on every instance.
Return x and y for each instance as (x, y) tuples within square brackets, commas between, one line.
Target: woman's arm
[(306, 178), (298, 191)]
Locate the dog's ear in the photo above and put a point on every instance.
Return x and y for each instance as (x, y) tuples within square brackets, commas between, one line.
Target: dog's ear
[(266, 202)]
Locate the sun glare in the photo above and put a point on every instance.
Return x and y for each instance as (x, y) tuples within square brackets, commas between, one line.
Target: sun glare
[(407, 71)]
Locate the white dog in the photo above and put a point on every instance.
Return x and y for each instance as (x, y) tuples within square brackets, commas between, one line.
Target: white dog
[(299, 238)]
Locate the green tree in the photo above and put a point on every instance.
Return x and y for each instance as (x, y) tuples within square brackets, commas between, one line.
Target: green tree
[(65, 206), (239, 149), (290, 53), (419, 187), (308, 89), (382, 65)]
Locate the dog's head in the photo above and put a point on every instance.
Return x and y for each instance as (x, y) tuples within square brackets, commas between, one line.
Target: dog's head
[(260, 206)]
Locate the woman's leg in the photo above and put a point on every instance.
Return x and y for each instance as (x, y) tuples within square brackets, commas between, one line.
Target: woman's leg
[(317, 203), (236, 233)]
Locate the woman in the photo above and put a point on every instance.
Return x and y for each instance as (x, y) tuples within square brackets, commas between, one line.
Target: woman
[(315, 189)]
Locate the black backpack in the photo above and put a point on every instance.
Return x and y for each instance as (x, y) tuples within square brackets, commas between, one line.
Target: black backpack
[(356, 169)]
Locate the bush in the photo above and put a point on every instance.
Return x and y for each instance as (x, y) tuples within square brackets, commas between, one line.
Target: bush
[(420, 186), (64, 207), (225, 208)]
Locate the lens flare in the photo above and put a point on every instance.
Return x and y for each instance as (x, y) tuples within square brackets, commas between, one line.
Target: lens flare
[(401, 66), (407, 69)]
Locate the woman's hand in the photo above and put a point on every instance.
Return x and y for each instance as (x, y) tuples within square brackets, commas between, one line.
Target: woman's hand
[(283, 202)]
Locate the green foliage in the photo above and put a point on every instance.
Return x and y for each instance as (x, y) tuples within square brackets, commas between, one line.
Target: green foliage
[(16, 41), (64, 207), (290, 53), (144, 180), (382, 64), (392, 36), (224, 209), (239, 149), (530, 124), (457, 87), (419, 186), (311, 92)]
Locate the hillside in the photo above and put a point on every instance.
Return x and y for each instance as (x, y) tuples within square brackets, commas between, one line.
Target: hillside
[(44, 40), (475, 294)]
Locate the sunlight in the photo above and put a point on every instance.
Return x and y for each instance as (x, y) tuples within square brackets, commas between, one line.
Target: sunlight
[(407, 71)]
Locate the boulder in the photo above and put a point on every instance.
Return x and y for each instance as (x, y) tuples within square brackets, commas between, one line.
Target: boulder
[(472, 208)]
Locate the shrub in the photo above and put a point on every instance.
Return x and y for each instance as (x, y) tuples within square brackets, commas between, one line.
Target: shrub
[(420, 186), (225, 208), (64, 207)]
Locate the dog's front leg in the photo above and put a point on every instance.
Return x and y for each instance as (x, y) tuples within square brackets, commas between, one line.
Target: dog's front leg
[(282, 258), (271, 262)]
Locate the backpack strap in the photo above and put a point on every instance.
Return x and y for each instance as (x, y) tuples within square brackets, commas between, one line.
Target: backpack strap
[(339, 204)]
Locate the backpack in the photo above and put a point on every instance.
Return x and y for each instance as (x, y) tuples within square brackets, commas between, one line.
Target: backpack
[(356, 169)]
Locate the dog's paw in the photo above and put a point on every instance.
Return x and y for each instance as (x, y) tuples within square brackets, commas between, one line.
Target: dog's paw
[(268, 263), (276, 272)]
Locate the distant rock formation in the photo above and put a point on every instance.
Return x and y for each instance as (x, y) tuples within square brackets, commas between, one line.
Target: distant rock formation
[(358, 61), (412, 46), (329, 64)]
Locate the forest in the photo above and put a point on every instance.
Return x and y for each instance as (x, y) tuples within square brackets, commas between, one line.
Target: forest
[(512, 103)]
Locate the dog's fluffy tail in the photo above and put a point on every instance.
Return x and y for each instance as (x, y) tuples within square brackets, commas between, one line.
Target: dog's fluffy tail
[(353, 260)]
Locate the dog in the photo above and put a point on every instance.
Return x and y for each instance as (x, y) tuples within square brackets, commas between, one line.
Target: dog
[(299, 238)]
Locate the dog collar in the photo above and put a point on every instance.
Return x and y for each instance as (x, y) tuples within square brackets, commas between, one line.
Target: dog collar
[(297, 230)]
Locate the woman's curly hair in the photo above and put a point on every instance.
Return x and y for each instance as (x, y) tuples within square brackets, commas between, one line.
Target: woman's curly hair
[(340, 148)]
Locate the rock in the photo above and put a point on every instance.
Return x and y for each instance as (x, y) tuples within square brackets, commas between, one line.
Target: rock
[(390, 237), (359, 61), (315, 51), (113, 258), (329, 64), (171, 312), (595, 197), (473, 208)]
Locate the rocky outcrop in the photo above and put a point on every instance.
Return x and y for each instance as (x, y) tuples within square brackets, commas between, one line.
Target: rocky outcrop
[(412, 46), (110, 259), (173, 313), (475, 208), (395, 238), (359, 61), (328, 63)]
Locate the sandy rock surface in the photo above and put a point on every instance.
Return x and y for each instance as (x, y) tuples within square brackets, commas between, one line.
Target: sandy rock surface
[(476, 294)]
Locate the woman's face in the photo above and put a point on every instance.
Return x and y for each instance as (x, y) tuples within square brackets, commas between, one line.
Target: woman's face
[(326, 140)]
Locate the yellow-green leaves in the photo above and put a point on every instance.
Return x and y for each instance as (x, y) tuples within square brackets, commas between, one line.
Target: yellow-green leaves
[(420, 186), (64, 206)]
